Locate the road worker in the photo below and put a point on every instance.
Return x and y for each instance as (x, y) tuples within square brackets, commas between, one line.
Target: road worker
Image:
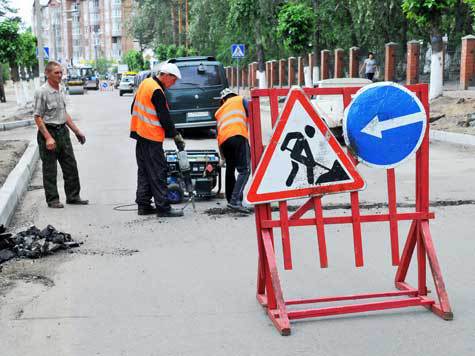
[(150, 124), (54, 124), (233, 142)]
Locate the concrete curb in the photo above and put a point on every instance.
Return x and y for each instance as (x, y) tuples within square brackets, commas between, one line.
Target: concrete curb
[(451, 137), (4, 126), (17, 182)]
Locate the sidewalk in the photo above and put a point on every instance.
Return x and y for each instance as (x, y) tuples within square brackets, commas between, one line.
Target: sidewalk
[(10, 111)]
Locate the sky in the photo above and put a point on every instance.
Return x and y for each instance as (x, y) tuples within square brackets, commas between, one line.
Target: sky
[(25, 10)]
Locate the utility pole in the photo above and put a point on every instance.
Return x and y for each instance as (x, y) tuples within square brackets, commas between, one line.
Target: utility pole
[(39, 36)]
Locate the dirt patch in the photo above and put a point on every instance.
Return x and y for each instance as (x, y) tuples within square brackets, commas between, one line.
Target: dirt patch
[(33, 278), (10, 153), (458, 114)]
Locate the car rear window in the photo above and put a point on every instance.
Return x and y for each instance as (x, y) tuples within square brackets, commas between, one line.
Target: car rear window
[(190, 76)]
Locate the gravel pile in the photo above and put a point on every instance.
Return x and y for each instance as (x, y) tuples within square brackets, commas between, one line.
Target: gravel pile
[(33, 243)]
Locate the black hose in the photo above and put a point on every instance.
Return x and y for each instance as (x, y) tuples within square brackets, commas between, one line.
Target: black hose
[(120, 207)]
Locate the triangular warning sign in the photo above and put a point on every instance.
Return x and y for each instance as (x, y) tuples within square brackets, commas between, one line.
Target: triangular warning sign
[(238, 52), (303, 158)]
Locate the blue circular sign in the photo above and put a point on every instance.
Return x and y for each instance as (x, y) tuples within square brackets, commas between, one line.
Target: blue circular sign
[(384, 124), (104, 85)]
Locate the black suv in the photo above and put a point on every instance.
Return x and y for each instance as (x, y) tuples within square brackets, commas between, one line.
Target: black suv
[(194, 98)]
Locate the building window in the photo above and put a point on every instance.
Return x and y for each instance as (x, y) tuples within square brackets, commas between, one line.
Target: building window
[(116, 11)]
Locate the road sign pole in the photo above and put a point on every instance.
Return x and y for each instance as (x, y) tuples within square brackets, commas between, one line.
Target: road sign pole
[(237, 51), (39, 36), (237, 75)]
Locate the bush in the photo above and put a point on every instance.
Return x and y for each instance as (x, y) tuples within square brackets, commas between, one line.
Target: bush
[(161, 51), (181, 51), (171, 51)]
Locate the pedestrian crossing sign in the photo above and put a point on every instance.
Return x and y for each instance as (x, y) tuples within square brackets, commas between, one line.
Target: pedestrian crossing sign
[(237, 50), (303, 158)]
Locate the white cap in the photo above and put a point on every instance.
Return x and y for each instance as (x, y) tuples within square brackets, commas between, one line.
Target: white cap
[(170, 68), (226, 92)]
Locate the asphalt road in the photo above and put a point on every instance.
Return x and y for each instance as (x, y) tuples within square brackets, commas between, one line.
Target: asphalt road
[(148, 286)]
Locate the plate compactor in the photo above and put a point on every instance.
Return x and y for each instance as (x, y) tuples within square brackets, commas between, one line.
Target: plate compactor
[(192, 173)]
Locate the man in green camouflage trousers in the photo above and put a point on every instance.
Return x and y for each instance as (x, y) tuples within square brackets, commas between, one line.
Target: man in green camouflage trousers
[(54, 123)]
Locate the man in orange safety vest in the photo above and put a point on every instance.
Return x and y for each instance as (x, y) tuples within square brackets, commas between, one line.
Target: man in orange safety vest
[(233, 142), (150, 124)]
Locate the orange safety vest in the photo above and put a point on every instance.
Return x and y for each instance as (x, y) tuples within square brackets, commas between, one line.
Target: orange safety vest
[(231, 119), (145, 121)]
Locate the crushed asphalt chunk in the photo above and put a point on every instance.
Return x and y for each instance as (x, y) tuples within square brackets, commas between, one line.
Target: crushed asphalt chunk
[(33, 242)]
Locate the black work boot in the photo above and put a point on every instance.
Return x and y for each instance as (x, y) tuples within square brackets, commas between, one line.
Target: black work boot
[(146, 210), (239, 208), (170, 213), (55, 205), (77, 201)]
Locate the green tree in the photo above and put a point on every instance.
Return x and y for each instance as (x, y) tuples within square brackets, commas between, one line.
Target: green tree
[(134, 60), (102, 65), (207, 31), (27, 55), (9, 49), (471, 4), (255, 21), (295, 26), (6, 9), (430, 14), (141, 26)]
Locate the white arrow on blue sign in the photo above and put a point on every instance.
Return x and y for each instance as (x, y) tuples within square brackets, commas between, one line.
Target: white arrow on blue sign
[(238, 50), (384, 124), (45, 52)]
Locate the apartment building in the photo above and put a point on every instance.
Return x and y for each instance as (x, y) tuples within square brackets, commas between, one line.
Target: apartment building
[(77, 31)]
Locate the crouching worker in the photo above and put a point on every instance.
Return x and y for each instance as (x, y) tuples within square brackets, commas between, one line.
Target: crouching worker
[(150, 124), (233, 135), (54, 144)]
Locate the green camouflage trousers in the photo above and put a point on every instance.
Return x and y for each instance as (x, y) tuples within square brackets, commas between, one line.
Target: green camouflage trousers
[(64, 154)]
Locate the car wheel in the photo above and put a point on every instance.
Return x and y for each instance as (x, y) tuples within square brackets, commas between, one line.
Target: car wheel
[(120, 93)]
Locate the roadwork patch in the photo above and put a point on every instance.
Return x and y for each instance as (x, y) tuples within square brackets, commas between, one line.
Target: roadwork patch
[(363, 205), (225, 211), (114, 252)]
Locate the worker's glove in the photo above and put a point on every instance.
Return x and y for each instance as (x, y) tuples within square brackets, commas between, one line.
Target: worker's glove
[(179, 142), (222, 162)]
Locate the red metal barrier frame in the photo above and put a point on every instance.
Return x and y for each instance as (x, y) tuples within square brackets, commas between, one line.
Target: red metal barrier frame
[(269, 291)]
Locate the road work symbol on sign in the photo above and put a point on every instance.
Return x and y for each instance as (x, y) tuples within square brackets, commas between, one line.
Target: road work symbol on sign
[(303, 158), (384, 124)]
